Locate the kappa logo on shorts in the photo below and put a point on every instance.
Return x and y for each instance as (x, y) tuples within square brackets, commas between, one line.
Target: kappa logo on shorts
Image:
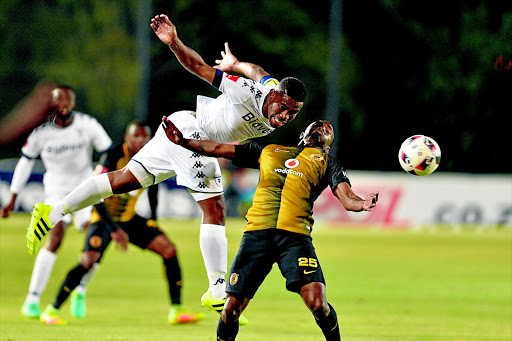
[(198, 164), (233, 279), (200, 175), (195, 155), (202, 185), (95, 241)]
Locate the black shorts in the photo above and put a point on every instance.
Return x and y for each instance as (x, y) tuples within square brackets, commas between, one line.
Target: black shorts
[(259, 250), (139, 233)]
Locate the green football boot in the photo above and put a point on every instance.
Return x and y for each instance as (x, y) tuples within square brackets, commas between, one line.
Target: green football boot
[(31, 310), (217, 305), (39, 227), (77, 307), (51, 316), (179, 315)]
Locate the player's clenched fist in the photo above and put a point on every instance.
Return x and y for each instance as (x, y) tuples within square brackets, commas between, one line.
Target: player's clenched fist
[(370, 201), (173, 133)]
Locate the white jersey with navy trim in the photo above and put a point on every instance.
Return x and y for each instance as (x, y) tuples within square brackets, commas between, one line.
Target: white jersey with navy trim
[(67, 152), (237, 114)]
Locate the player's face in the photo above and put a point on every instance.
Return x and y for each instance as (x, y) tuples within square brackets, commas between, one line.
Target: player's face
[(282, 109), (63, 101), (318, 134), (136, 137)]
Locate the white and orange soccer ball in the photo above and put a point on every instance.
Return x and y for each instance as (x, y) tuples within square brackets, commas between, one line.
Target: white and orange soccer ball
[(419, 155)]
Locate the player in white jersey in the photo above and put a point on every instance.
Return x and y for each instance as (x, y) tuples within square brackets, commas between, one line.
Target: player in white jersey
[(65, 145), (246, 109)]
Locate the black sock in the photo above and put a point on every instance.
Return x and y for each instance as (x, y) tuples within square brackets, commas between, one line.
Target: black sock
[(329, 325), (173, 274), (71, 282), (227, 332)]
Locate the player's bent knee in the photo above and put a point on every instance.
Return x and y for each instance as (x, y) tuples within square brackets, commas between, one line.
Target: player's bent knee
[(317, 306), (168, 252), (88, 258), (144, 178), (123, 181), (163, 246), (230, 314), (233, 308), (313, 295), (56, 236), (214, 210)]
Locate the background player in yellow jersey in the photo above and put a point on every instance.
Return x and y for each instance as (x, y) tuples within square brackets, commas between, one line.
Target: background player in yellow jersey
[(280, 221), (117, 219)]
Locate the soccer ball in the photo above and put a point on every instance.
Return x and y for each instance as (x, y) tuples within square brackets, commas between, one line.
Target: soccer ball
[(419, 155)]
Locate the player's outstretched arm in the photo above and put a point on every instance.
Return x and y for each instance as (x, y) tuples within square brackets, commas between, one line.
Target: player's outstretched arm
[(190, 59), (203, 147), (19, 179), (229, 63), (32, 111), (353, 202)]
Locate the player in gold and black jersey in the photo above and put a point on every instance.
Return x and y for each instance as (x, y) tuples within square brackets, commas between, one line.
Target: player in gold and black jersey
[(280, 221), (117, 219)]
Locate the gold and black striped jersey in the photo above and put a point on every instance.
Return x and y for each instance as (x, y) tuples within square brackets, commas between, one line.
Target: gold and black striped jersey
[(291, 178), (121, 207)]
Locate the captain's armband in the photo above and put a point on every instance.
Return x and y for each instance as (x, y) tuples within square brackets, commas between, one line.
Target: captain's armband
[(217, 79), (269, 80)]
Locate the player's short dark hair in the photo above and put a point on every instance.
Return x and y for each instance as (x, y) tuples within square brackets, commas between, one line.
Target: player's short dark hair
[(138, 123), (65, 86), (294, 88)]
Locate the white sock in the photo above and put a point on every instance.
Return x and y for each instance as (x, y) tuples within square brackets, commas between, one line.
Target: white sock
[(214, 247), (40, 274), (81, 288), (89, 192)]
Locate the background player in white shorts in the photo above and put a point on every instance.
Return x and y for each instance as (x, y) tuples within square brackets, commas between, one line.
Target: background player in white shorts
[(246, 109), (65, 145)]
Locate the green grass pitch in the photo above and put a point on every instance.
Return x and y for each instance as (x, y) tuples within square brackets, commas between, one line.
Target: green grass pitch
[(385, 285)]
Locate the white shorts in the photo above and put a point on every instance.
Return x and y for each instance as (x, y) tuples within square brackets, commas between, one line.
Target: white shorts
[(161, 159)]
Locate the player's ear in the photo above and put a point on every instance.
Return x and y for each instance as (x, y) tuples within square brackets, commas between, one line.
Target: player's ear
[(327, 150)]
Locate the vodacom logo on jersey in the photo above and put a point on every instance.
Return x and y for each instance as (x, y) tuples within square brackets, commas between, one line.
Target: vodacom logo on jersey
[(289, 164)]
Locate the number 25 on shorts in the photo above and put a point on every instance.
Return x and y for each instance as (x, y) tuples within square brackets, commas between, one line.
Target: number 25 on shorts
[(311, 262)]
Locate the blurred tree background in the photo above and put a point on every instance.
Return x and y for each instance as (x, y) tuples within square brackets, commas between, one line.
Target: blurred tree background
[(406, 67)]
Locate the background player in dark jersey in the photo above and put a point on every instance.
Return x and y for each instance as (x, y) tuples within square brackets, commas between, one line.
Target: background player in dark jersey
[(280, 221), (116, 219)]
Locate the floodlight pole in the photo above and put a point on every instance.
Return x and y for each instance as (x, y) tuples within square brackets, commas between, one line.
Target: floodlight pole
[(143, 38), (334, 71)]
